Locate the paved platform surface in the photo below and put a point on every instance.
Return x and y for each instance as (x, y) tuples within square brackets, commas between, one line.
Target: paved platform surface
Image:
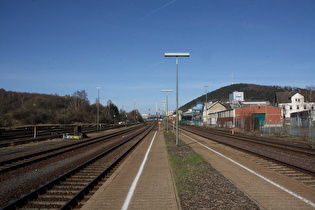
[(271, 194), (143, 181)]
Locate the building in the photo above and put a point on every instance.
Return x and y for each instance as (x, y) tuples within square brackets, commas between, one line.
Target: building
[(236, 96), (302, 119), (291, 102), (193, 116), (211, 110), (251, 117), (223, 114)]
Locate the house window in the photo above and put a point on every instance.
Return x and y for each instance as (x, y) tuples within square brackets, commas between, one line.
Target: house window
[(304, 106), (290, 107), (297, 107)]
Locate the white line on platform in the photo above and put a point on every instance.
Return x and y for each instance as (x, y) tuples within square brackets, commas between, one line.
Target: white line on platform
[(135, 181), (253, 172)]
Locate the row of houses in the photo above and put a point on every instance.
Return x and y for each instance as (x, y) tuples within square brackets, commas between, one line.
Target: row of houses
[(289, 108)]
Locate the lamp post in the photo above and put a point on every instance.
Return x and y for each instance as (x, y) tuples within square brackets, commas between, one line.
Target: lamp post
[(65, 114), (134, 108), (167, 91), (176, 55), (206, 106), (98, 108)]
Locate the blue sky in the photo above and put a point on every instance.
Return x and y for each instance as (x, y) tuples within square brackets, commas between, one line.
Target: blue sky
[(61, 46)]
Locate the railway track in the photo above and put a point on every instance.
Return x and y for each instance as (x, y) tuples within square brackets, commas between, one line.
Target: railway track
[(289, 145), (297, 163), (28, 159), (28, 132), (26, 135), (66, 191)]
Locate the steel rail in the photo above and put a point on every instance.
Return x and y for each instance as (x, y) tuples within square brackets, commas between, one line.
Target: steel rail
[(28, 136), (73, 201), (206, 135), (62, 149), (264, 141)]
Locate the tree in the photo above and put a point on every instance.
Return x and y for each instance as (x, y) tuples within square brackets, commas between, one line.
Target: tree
[(78, 107), (32, 108), (113, 112), (310, 93)]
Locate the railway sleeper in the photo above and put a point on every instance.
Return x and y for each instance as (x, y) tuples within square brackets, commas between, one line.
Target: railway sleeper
[(87, 173), (278, 168), (76, 183), (82, 179), (270, 165), (55, 195), (296, 176), (9, 165), (97, 167), (67, 187), (92, 171), (45, 204), (293, 173), (49, 198), (286, 170), (3, 167), (62, 191), (82, 176), (306, 179), (97, 170), (309, 183)]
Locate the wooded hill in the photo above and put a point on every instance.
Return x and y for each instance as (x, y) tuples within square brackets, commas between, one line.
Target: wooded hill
[(32, 108), (252, 92)]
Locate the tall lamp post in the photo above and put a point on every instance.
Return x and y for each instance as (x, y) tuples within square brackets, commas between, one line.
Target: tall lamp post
[(167, 91), (65, 114), (206, 105), (98, 108), (176, 55)]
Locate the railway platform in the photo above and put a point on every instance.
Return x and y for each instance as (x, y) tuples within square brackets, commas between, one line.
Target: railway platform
[(143, 181), (269, 189)]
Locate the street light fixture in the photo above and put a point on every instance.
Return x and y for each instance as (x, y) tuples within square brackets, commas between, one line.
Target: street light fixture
[(206, 106), (166, 91), (176, 55), (134, 108), (98, 108)]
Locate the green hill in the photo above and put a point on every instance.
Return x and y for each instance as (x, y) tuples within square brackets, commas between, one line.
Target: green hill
[(252, 92)]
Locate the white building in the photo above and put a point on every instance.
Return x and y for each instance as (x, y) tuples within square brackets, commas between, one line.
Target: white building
[(292, 102), (236, 96)]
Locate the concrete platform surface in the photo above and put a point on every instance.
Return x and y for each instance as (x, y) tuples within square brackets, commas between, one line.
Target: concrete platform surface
[(143, 181)]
